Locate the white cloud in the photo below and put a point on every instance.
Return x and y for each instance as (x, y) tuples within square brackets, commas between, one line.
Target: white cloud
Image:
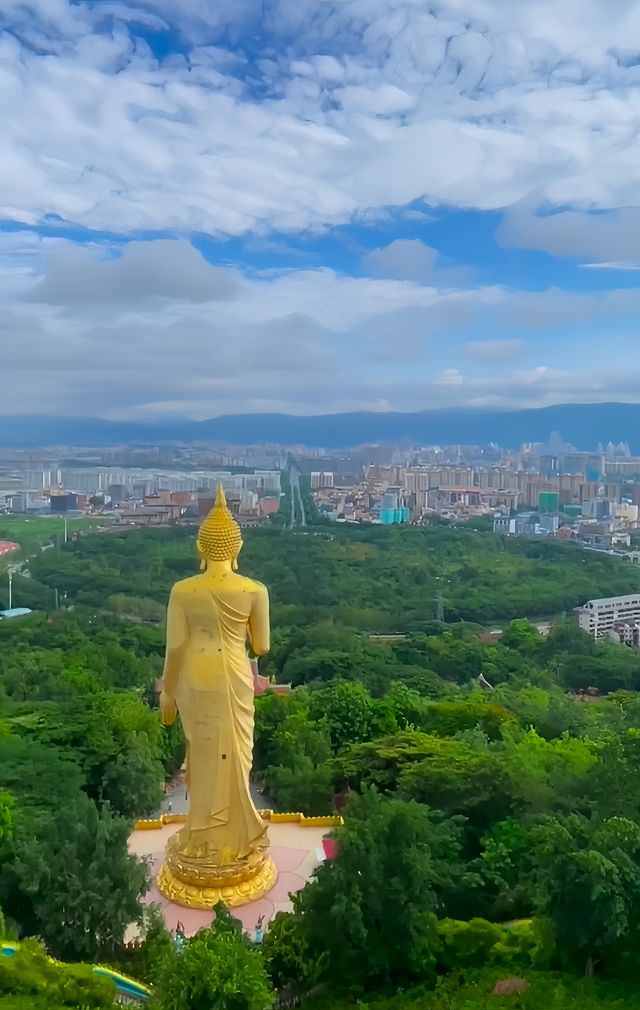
[(154, 328), (495, 350), (450, 377), (385, 100), (614, 235), (613, 265), (407, 259), (298, 114), (161, 269), (412, 260)]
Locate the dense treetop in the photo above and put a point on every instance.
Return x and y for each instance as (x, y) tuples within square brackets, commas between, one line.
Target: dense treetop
[(374, 578), (481, 825)]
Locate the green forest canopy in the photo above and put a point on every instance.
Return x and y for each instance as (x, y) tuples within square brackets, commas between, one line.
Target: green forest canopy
[(373, 579), (519, 803)]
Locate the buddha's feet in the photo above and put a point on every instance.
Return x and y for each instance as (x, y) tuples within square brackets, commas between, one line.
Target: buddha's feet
[(209, 889), (198, 875)]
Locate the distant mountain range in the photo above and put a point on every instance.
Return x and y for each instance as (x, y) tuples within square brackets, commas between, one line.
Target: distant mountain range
[(584, 425)]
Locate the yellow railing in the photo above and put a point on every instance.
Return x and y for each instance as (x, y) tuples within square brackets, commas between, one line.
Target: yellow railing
[(273, 816), (324, 821)]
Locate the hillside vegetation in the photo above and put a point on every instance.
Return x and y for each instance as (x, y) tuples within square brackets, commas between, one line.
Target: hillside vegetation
[(489, 833)]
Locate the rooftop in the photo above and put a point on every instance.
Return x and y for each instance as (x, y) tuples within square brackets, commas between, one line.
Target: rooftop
[(630, 598)]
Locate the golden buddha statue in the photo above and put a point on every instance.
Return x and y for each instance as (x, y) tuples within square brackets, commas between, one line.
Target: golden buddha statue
[(221, 853)]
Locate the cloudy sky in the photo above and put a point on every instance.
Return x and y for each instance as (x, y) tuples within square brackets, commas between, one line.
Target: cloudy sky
[(221, 206)]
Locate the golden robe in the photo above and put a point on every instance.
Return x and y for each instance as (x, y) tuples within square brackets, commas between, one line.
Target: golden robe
[(211, 618)]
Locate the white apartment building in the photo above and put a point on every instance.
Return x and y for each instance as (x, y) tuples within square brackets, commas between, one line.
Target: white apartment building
[(598, 617)]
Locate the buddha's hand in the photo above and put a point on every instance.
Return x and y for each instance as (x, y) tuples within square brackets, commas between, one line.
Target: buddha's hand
[(168, 709)]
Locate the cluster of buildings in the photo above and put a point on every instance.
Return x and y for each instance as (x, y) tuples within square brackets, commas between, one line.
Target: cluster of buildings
[(139, 496), (538, 490), (591, 497)]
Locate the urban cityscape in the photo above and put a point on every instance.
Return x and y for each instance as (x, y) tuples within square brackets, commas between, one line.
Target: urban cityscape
[(552, 489)]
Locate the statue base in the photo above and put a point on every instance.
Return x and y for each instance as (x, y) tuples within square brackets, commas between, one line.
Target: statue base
[(197, 879), (191, 895)]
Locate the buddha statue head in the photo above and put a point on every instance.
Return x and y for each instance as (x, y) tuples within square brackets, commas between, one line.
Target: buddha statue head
[(219, 537)]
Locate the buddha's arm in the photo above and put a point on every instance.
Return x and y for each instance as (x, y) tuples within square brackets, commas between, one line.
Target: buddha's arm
[(259, 622), (177, 634)]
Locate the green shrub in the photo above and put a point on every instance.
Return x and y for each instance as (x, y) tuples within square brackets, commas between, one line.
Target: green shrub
[(446, 718), (479, 944), (527, 943), (466, 944), (32, 975)]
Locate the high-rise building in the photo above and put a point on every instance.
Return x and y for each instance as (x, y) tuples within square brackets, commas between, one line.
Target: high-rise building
[(549, 502)]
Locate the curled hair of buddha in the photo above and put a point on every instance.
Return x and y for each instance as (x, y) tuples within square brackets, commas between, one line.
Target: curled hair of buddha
[(219, 537)]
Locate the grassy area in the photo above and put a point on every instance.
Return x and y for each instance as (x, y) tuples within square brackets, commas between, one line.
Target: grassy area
[(33, 532)]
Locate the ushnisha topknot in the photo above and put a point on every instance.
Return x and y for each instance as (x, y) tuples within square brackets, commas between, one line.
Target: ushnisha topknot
[(219, 537)]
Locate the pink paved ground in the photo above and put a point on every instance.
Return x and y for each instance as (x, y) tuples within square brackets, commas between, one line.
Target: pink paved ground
[(295, 851)]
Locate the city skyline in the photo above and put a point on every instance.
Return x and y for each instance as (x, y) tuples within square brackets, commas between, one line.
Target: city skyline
[(242, 207)]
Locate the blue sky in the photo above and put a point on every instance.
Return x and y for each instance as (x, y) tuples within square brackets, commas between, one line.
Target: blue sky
[(222, 206)]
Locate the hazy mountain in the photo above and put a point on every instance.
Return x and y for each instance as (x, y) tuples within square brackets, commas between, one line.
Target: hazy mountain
[(582, 424)]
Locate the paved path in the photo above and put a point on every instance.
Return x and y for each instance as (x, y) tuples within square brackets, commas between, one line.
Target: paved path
[(176, 796)]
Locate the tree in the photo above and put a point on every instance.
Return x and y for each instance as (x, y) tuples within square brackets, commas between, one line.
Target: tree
[(290, 963), (218, 969), (348, 710), (446, 718), (299, 774), (407, 706), (305, 788), (272, 711), (548, 774), (144, 960), (172, 748), (115, 737), (372, 911), (566, 637), (588, 879), (131, 782), (324, 665), (524, 637), (451, 775), (83, 883), (137, 608), (39, 777), (551, 712), (505, 865), (466, 944), (7, 807)]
